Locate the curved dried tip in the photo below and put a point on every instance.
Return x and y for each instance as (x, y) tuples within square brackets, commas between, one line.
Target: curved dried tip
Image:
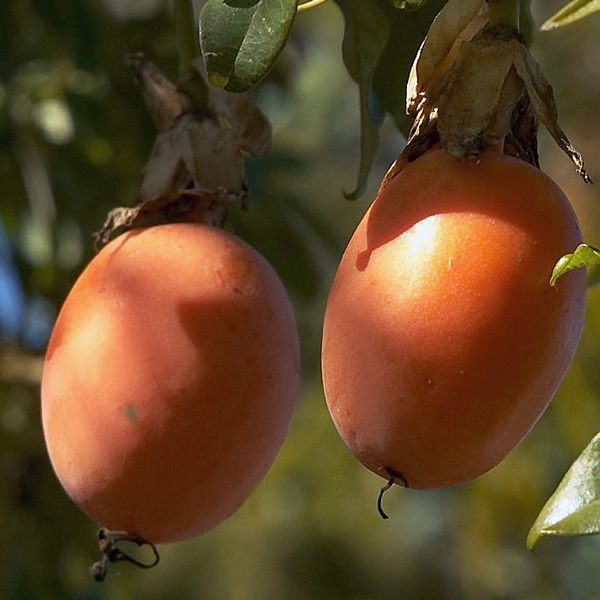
[(543, 104)]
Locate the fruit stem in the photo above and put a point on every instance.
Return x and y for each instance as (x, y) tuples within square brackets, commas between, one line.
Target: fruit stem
[(526, 24), (505, 12), (107, 541), (393, 477), (382, 491), (188, 48)]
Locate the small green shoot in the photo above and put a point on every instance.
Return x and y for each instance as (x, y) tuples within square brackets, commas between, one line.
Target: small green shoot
[(583, 256)]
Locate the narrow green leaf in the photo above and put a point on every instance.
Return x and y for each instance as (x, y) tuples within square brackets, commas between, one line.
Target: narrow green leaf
[(240, 39), (583, 256), (575, 10), (366, 33), (574, 508), (379, 46), (408, 29)]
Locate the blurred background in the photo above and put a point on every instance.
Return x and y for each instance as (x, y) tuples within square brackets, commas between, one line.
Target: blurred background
[(74, 136)]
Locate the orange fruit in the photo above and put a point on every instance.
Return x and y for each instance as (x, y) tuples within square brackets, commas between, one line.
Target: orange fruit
[(443, 341), (170, 380)]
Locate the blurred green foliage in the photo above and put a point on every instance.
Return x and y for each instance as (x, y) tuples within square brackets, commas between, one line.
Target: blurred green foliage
[(74, 136)]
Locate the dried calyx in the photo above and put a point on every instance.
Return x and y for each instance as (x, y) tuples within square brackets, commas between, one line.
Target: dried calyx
[(196, 168), (474, 85)]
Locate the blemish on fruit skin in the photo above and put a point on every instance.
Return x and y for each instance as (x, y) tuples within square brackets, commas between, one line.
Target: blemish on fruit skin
[(131, 412), (430, 383)]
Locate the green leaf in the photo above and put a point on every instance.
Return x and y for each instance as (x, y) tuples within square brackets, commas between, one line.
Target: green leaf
[(240, 39), (366, 34), (583, 256), (408, 29), (575, 10), (574, 508), (379, 46)]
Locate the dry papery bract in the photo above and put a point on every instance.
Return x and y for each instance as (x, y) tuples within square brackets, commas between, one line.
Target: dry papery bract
[(474, 86), (196, 168)]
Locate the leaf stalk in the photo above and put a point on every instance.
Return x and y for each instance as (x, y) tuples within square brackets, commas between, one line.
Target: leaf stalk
[(188, 48)]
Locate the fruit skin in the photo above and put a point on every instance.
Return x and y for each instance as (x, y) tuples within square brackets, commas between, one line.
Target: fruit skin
[(170, 380), (443, 342)]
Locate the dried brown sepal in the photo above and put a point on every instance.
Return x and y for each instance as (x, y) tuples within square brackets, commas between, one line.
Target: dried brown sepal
[(208, 207), (458, 20), (196, 167), (543, 104), (423, 136), (521, 140), (476, 98), (486, 91), (164, 99)]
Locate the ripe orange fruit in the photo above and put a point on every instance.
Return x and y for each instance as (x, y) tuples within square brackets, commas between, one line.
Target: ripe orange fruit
[(170, 380), (443, 341)]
